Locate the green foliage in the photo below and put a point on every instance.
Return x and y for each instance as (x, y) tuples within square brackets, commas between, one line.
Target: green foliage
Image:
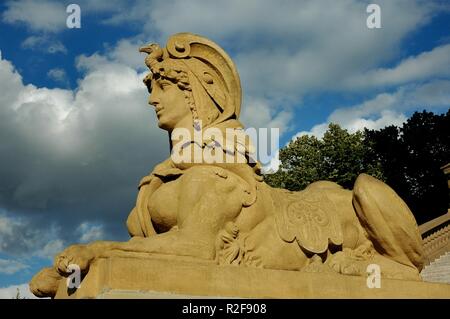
[(339, 156), (407, 158), (412, 157)]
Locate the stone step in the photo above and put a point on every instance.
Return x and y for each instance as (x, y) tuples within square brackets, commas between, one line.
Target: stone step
[(438, 270)]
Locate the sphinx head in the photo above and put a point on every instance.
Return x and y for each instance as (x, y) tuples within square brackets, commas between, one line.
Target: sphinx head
[(191, 79)]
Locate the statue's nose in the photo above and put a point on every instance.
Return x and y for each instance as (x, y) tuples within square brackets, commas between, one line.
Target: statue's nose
[(153, 100)]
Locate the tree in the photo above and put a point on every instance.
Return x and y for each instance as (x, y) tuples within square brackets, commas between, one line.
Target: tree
[(339, 156), (412, 157)]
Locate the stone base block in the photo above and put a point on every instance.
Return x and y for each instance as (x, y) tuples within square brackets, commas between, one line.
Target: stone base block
[(171, 277)]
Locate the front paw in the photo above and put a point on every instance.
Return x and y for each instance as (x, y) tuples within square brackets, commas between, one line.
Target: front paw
[(316, 265), (80, 255), (341, 263), (45, 283)]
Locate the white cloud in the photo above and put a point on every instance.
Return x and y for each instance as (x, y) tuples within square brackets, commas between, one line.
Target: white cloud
[(11, 292), (89, 232), (50, 249), (44, 15), (431, 64), (385, 118), (298, 48), (126, 52), (71, 155), (317, 130), (312, 45), (285, 51), (24, 238), (50, 15), (430, 95), (58, 75), (8, 266), (21, 237), (95, 6), (261, 113), (388, 108), (44, 44)]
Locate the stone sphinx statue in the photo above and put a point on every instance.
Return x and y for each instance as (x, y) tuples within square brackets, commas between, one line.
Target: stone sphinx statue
[(224, 212)]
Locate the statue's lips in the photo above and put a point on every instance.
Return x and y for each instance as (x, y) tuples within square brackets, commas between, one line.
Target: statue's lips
[(158, 110)]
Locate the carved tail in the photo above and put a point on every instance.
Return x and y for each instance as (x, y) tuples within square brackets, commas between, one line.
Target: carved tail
[(388, 221)]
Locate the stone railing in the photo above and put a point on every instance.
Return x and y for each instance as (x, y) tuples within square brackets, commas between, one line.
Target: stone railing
[(436, 237)]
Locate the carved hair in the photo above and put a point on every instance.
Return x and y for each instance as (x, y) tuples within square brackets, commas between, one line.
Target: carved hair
[(202, 70)]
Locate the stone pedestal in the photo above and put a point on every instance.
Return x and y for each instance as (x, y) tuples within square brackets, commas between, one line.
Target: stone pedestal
[(165, 277)]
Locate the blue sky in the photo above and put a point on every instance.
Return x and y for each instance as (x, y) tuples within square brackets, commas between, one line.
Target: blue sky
[(76, 133)]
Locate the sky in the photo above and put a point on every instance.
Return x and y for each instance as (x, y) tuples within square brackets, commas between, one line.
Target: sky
[(76, 133)]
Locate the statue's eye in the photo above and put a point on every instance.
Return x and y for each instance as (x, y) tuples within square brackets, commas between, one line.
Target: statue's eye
[(165, 84)]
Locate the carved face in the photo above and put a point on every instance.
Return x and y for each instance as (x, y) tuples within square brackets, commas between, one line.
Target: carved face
[(172, 109)]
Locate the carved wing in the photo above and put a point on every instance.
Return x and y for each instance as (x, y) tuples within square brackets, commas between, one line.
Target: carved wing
[(308, 217)]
